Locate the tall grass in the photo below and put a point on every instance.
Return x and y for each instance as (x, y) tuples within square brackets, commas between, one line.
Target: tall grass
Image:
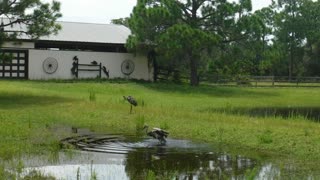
[(92, 96), (32, 112), (140, 123)]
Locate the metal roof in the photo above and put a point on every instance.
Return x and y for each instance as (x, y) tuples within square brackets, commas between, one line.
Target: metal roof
[(87, 32), (84, 32)]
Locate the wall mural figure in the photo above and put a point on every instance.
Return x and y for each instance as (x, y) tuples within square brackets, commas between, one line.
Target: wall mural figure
[(93, 66), (74, 69), (94, 62), (106, 72)]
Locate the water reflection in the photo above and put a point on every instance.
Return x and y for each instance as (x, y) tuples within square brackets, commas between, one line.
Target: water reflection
[(186, 165), (142, 163), (119, 157), (81, 171), (141, 158), (268, 171)]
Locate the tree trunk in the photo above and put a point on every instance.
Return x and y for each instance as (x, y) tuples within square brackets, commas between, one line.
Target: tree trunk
[(155, 70), (153, 61), (194, 81), (291, 63)]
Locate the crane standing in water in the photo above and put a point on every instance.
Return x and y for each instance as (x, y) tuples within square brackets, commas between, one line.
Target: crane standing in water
[(132, 101), (157, 133)]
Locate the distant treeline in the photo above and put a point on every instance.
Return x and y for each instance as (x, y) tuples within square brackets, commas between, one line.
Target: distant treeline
[(228, 38)]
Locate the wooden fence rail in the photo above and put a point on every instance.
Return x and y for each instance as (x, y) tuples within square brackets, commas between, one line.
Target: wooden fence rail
[(245, 80), (263, 81)]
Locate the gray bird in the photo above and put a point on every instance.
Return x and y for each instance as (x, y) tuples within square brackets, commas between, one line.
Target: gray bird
[(132, 101), (157, 133)]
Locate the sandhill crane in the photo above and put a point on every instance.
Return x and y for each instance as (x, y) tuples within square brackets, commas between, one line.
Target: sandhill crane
[(157, 133), (132, 102)]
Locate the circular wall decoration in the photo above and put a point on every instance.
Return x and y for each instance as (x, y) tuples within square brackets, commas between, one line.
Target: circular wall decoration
[(127, 67), (50, 65)]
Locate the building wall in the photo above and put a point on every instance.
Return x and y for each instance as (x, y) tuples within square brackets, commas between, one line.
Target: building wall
[(18, 45), (112, 61)]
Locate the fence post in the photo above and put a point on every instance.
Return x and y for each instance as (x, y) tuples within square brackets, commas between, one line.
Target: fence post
[(256, 81), (100, 70), (272, 80)]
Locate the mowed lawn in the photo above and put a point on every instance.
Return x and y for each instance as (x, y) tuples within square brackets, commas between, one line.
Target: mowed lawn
[(31, 113)]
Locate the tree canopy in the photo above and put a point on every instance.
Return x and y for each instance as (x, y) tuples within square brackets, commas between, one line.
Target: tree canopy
[(121, 21), (38, 17), (224, 38), (186, 30)]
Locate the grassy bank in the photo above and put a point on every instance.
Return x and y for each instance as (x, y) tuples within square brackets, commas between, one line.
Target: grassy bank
[(233, 117)]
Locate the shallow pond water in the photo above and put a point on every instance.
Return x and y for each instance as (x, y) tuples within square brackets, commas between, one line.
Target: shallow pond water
[(311, 113), (129, 157)]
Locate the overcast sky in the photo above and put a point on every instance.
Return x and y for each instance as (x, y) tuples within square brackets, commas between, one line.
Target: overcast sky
[(102, 11)]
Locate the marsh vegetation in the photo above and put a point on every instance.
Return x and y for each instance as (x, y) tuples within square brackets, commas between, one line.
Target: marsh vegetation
[(32, 115)]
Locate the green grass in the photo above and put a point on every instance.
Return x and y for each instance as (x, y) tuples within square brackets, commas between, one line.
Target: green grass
[(30, 113)]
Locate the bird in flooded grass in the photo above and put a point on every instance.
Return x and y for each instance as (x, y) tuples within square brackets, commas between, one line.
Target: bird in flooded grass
[(132, 101), (157, 133)]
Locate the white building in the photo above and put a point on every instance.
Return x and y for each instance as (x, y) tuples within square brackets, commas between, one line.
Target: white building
[(79, 50)]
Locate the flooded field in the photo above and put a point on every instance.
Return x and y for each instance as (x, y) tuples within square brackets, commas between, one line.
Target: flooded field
[(310, 113)]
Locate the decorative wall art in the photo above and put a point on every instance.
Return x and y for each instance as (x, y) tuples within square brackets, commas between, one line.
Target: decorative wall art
[(50, 65), (127, 67)]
